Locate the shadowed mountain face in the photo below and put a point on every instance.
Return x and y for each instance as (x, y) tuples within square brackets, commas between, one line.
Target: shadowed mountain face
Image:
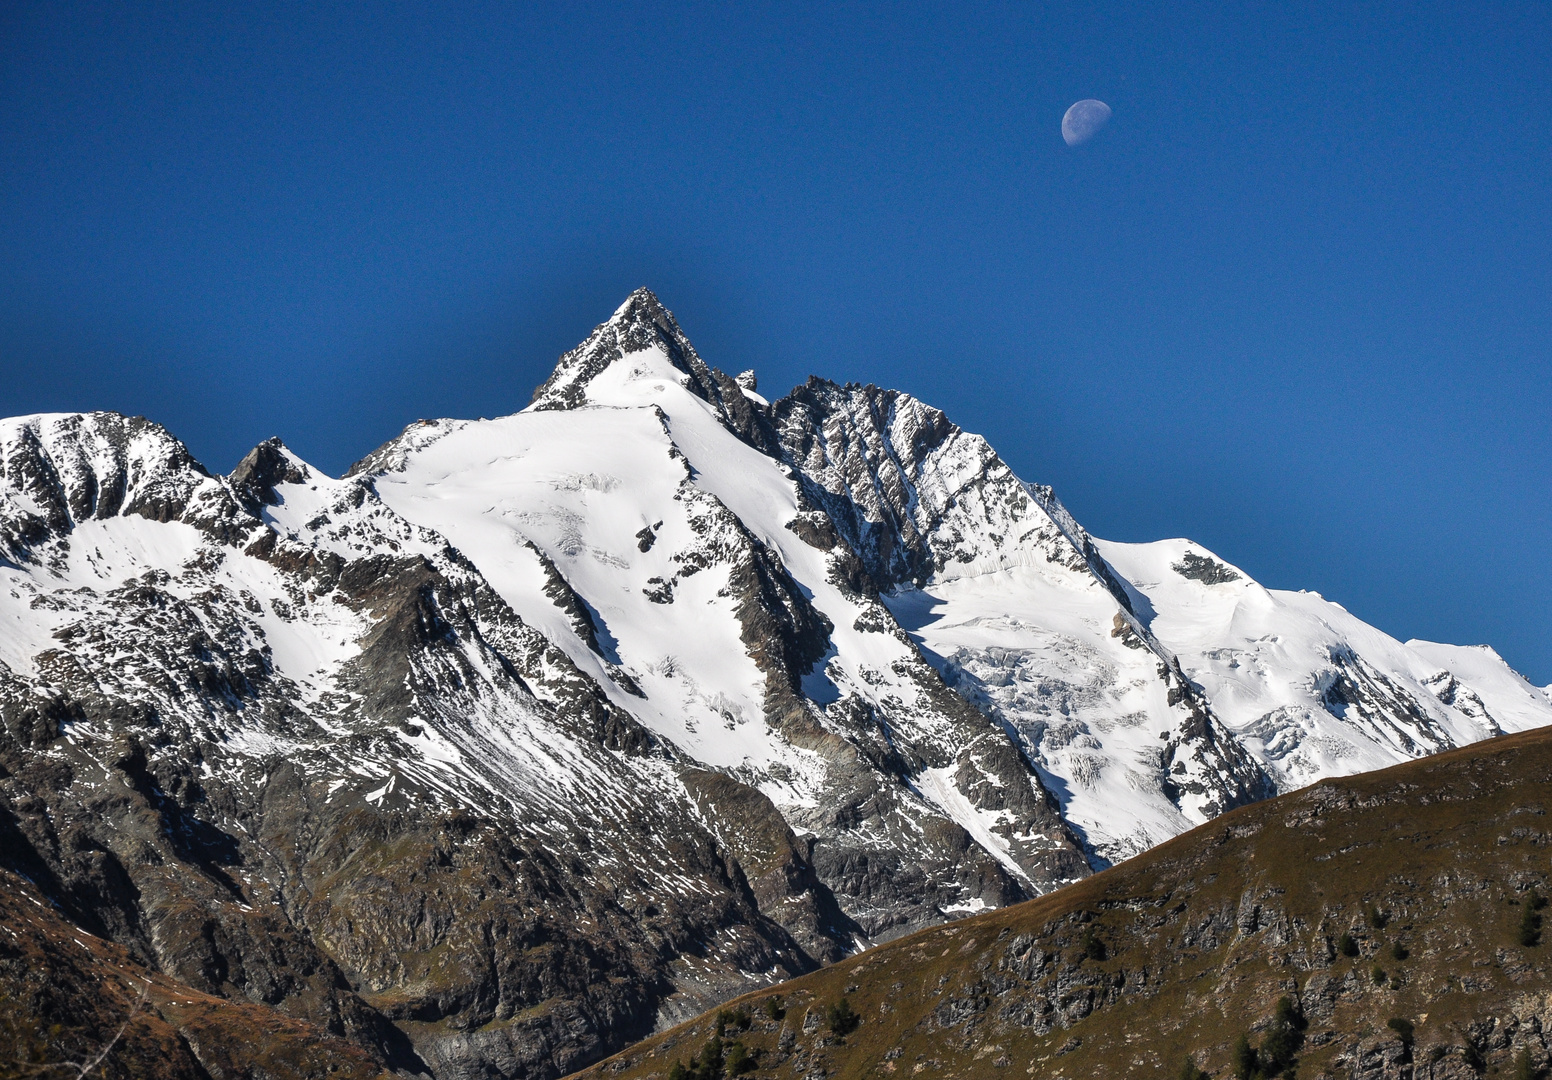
[(1381, 926), (534, 735), (68, 997)]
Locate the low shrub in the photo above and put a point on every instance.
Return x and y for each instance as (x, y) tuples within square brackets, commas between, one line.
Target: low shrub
[(709, 1064), (738, 1060)]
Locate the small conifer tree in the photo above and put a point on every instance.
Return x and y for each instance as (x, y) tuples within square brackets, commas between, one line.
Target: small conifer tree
[(1346, 945), (1284, 1037), (709, 1065), (1530, 921), (738, 1060), (1191, 1071), (841, 1019), (1246, 1061)]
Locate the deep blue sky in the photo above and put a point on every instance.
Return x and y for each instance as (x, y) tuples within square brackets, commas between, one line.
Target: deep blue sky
[(1294, 302)]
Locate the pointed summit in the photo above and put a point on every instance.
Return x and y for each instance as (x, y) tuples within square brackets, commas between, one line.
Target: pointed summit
[(263, 468), (643, 323), (640, 323)]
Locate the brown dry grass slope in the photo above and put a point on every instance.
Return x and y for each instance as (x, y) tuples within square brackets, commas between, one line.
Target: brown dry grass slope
[(1398, 912)]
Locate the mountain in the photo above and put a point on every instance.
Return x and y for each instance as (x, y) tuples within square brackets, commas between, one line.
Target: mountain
[(531, 736), (1399, 914)]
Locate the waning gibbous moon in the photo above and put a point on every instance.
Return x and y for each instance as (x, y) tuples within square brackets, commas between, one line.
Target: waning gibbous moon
[(1083, 120)]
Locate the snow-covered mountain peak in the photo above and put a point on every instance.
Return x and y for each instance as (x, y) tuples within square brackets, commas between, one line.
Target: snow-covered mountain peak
[(1476, 680), (640, 324), (58, 470), (643, 337)]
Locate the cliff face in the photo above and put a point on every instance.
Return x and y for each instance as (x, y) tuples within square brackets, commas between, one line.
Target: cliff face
[(1385, 926), (534, 735)]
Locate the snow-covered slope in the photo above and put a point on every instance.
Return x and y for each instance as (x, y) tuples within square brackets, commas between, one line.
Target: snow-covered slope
[(532, 733), (250, 725), (1310, 689), (1477, 682)]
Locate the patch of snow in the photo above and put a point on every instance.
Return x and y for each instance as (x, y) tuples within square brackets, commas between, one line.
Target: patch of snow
[(938, 787)]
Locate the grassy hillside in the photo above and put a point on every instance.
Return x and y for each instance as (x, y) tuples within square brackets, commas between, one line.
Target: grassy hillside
[(1398, 913)]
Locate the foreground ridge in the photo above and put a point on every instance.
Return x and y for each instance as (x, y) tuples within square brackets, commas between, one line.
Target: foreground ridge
[(1392, 919), (532, 736)]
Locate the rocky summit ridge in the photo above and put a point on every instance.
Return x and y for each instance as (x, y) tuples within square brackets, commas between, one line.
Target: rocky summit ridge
[(530, 736)]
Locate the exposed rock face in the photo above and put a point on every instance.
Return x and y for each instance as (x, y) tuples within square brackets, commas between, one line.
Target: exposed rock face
[(533, 735), (1206, 570), (912, 494)]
